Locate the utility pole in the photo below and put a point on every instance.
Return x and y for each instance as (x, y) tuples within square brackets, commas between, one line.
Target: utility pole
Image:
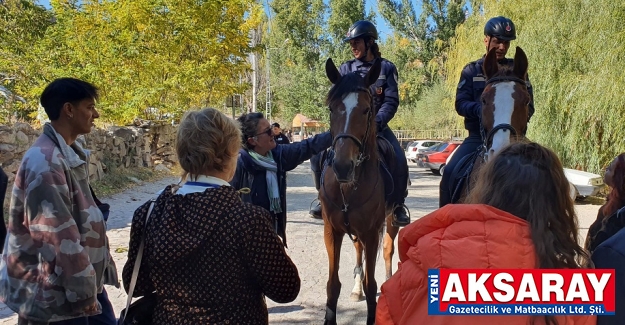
[(254, 80)]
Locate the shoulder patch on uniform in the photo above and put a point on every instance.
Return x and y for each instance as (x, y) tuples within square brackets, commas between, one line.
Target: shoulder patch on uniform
[(478, 79), (461, 83), (382, 76)]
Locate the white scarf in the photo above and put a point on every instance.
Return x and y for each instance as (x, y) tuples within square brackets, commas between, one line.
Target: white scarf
[(271, 168)]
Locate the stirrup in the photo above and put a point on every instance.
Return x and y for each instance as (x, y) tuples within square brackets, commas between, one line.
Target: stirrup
[(311, 208), (394, 220)]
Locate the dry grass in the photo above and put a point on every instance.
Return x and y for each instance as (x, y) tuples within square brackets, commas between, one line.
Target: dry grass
[(122, 179)]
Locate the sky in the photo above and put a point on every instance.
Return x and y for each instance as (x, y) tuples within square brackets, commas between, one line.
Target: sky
[(383, 29)]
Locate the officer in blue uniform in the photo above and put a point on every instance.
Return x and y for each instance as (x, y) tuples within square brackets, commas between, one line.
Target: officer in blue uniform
[(361, 37), (498, 32)]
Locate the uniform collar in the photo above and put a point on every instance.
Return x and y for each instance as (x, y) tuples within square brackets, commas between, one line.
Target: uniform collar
[(358, 63)]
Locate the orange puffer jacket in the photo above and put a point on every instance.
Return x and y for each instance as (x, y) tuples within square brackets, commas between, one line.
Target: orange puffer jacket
[(460, 236)]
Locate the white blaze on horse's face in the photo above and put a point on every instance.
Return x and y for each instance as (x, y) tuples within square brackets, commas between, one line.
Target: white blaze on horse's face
[(350, 102), (504, 107)]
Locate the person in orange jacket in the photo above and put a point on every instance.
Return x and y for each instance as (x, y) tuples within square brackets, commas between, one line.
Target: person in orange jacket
[(519, 216)]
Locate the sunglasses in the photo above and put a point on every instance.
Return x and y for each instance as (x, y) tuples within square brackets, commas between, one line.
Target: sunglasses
[(268, 132)]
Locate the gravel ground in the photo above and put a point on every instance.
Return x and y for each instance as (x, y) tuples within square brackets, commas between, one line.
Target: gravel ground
[(306, 246)]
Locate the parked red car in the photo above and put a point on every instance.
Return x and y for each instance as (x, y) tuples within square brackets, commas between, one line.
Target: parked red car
[(436, 161)]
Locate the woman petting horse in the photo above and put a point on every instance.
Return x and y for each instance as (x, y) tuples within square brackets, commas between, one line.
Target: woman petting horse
[(262, 166), (498, 32), (519, 216)]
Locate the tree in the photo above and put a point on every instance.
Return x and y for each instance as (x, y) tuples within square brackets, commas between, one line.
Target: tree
[(577, 84), (22, 25), (296, 42), (430, 33), (172, 56)]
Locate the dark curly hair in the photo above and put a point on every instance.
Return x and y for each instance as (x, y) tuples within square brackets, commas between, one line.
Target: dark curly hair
[(249, 125)]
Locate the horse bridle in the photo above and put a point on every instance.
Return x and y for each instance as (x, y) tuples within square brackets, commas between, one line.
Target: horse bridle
[(362, 156), (488, 138), (361, 143)]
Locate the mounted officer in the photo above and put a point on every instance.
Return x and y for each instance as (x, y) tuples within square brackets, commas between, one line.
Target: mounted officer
[(498, 32), (362, 36)]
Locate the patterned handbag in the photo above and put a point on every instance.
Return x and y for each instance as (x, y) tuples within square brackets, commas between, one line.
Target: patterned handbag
[(139, 312)]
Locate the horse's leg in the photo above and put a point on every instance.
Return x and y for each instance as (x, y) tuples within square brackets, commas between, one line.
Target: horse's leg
[(389, 245), (333, 240), (371, 286), (358, 274)]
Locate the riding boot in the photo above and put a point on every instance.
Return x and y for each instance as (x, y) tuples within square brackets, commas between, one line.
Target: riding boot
[(400, 216), (315, 212)]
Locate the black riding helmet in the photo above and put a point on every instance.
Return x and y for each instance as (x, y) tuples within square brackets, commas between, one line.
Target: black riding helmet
[(361, 28), (500, 27)]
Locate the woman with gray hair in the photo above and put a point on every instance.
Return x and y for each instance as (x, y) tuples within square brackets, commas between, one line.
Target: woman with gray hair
[(262, 165), (208, 257)]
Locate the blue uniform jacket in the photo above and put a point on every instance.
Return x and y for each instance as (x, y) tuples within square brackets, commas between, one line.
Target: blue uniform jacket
[(611, 255), (384, 91), (287, 157), (468, 95)]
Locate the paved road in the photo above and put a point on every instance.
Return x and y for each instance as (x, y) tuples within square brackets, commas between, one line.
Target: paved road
[(306, 246)]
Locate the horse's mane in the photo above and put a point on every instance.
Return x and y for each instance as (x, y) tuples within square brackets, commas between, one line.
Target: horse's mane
[(348, 83)]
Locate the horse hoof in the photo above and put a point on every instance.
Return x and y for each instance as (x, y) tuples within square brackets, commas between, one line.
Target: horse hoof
[(356, 297), (329, 322)]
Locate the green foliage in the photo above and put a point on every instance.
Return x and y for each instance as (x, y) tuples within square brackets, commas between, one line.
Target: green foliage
[(169, 55), (22, 25), (577, 77), (429, 33)]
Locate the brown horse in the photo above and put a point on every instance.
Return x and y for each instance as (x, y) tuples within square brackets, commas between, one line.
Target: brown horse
[(352, 192), (505, 111)]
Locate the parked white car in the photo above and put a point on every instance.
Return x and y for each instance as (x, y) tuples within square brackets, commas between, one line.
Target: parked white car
[(414, 147), (584, 183)]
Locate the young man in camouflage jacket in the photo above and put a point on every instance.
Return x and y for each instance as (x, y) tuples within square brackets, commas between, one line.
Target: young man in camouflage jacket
[(56, 257)]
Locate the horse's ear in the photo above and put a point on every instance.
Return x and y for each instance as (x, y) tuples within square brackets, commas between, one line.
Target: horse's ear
[(332, 72), (374, 72), (490, 66), (520, 63)]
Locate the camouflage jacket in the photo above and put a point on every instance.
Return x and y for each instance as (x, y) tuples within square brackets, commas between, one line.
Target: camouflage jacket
[(56, 253)]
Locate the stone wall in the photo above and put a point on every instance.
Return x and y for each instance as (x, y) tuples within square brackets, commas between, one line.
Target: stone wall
[(121, 147)]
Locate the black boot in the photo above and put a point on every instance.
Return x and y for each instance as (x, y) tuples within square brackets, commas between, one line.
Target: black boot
[(401, 217), (315, 212)]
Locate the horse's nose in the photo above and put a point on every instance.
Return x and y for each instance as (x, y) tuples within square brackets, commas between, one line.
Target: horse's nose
[(344, 171)]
